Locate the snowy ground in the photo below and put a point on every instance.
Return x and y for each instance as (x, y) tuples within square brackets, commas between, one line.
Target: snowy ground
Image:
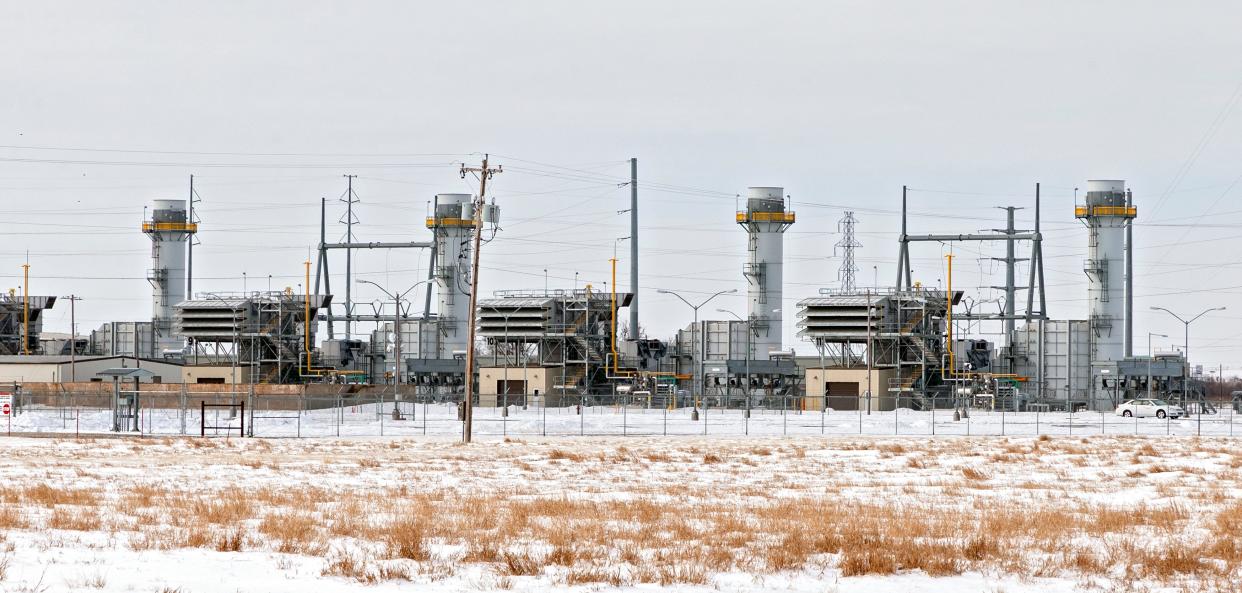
[(800, 514), (441, 420)]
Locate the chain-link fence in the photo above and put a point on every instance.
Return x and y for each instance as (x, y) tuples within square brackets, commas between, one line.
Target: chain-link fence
[(394, 412)]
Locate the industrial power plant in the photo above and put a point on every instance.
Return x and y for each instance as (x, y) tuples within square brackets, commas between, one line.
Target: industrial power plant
[(868, 349)]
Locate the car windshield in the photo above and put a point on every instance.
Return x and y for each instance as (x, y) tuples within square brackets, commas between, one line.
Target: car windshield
[(1159, 402)]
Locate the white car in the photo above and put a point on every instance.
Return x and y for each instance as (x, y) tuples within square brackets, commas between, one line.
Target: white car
[(1159, 408)]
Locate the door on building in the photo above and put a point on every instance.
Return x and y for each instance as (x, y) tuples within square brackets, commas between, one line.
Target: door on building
[(842, 395), (511, 392)]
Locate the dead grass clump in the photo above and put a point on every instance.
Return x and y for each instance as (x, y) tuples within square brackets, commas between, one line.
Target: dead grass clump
[(866, 560), (971, 473), (228, 507), (406, 538), (590, 575), (50, 496), (12, 517), (231, 540), (1229, 519), (520, 563), (1174, 558), (341, 563), (712, 458), (294, 532), (73, 519), (558, 454), (790, 553), (368, 462)]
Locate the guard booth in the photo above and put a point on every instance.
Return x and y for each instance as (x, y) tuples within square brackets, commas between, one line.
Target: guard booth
[(125, 403)]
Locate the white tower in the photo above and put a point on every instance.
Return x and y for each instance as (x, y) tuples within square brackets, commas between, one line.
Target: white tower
[(451, 224), (1107, 213), (170, 230), (765, 220)]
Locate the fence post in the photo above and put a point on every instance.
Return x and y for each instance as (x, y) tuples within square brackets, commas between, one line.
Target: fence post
[(202, 418), (823, 412), (242, 429)]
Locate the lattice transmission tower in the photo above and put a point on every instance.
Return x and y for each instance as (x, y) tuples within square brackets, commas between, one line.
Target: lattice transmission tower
[(848, 272)]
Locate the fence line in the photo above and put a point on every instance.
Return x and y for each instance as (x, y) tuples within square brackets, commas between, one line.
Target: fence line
[(417, 414)]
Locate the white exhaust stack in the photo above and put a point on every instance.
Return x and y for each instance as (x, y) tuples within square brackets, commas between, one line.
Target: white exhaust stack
[(765, 220)]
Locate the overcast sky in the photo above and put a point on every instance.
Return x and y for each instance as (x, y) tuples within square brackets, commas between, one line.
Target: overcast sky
[(105, 106)]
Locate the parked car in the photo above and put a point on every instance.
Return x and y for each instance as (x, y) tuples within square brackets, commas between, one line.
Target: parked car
[(1141, 408)]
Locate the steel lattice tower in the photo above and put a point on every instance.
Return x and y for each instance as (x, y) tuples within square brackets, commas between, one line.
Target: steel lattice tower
[(848, 271)]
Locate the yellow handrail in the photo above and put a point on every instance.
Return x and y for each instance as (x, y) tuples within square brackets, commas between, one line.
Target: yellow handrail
[(1085, 211), (786, 217), (433, 222), (154, 227)]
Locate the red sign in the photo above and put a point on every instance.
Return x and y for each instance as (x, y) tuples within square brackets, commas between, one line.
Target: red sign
[(5, 409)]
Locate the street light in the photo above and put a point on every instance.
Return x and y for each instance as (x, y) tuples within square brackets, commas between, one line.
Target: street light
[(1186, 343), (695, 383), (396, 299)]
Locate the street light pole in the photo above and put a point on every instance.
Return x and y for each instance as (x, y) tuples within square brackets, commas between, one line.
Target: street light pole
[(1186, 344), (696, 384), (396, 299)]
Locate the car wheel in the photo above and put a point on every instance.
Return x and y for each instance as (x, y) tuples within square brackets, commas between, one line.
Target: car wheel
[(1127, 413), (1160, 414)]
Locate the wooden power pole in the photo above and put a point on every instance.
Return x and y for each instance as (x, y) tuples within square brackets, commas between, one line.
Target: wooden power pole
[(484, 172)]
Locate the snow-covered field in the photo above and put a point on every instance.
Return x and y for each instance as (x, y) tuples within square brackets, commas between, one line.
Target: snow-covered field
[(801, 514), (419, 419)]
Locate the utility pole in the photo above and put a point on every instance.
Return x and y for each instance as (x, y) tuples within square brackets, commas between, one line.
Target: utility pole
[(73, 337), (1011, 263), (484, 172), (634, 249), (349, 254)]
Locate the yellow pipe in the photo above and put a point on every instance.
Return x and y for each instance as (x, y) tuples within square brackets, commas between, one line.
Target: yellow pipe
[(26, 309), (306, 322), (948, 297), (310, 370)]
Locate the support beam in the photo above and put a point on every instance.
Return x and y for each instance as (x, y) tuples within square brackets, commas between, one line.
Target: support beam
[(379, 245), (634, 249)]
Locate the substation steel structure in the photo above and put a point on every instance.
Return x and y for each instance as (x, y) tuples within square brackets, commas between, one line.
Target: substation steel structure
[(1036, 300)]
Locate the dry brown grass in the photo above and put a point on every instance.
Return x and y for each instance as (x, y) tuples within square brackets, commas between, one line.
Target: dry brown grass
[(561, 454), (74, 519), (294, 532), (1008, 512), (971, 473)]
